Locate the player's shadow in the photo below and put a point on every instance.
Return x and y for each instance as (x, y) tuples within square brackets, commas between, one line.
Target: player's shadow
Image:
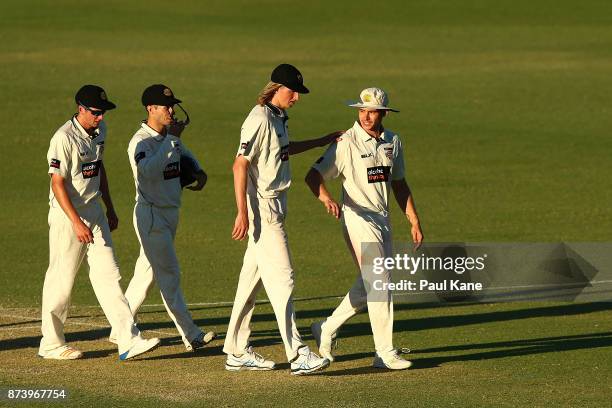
[(206, 351), (99, 353), (341, 372), (21, 323), (503, 349), (271, 337), (440, 322), (516, 348)]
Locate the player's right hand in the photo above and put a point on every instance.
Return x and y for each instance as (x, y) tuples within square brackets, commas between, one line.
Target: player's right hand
[(332, 207), (83, 232), (241, 227)]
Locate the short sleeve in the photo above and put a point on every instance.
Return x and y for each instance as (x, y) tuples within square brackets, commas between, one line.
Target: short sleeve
[(330, 165), (58, 156), (251, 135), (138, 150), (398, 163)]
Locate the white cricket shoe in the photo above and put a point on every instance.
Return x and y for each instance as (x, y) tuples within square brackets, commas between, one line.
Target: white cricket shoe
[(325, 342), (139, 346), (250, 360), (202, 340), (62, 353), (307, 362), (391, 361)]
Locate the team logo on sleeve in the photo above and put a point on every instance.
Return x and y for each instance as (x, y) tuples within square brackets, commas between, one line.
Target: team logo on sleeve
[(90, 170), (284, 154), (139, 156), (378, 174), (172, 170), (244, 145), (389, 152), (55, 163)]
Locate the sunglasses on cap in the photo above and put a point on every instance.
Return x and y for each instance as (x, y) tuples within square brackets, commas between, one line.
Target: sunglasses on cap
[(94, 112)]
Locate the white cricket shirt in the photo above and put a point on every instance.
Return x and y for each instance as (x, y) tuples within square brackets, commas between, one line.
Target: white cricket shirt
[(155, 161), (367, 166), (77, 157), (264, 142)]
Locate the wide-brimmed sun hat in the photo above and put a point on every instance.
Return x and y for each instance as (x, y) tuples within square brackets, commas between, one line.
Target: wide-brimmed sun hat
[(373, 99)]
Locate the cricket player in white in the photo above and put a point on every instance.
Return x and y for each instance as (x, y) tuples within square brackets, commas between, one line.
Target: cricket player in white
[(261, 179), (79, 227), (155, 155), (370, 161)]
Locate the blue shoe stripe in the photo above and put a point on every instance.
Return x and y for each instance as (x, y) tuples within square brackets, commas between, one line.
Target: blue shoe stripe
[(123, 356)]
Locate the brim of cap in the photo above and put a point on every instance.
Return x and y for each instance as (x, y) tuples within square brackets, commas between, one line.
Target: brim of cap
[(107, 105), (298, 88), (168, 102), (103, 105), (371, 107), (172, 101)]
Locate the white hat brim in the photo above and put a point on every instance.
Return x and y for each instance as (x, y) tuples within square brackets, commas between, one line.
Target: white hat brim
[(372, 107)]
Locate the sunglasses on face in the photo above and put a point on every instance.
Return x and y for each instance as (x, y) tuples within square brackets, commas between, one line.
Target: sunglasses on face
[(94, 112)]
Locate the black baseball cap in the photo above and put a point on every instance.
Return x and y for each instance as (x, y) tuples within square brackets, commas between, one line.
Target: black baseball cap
[(93, 96), (159, 94), (288, 75)]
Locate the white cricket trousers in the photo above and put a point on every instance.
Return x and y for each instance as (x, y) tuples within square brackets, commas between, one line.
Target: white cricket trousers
[(66, 254), (156, 229), (267, 263), (366, 228)]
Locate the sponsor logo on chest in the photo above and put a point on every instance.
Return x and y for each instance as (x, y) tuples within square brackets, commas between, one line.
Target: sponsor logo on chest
[(91, 169), (378, 174)]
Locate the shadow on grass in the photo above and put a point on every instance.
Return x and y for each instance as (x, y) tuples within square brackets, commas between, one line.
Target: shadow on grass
[(23, 323), (207, 351), (440, 322), (367, 370), (100, 353), (271, 337), (519, 348), (505, 349)]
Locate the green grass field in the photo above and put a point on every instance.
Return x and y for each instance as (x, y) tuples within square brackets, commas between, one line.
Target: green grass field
[(505, 118)]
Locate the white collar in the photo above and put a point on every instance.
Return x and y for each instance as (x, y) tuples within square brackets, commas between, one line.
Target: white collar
[(365, 136), (152, 132), (82, 131), (276, 111)]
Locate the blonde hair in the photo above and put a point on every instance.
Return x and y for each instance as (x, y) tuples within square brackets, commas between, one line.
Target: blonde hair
[(267, 93)]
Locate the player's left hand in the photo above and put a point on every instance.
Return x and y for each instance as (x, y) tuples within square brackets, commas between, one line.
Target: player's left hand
[(113, 220), (200, 181), (417, 234)]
